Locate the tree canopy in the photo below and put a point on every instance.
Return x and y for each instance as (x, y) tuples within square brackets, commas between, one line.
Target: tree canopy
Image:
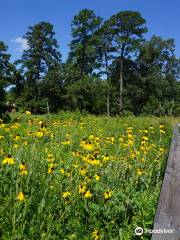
[(111, 68)]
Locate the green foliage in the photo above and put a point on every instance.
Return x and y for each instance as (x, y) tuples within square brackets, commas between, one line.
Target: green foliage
[(37, 107), (110, 68), (126, 113), (52, 88), (40, 57), (152, 107), (82, 50), (87, 94), (127, 29), (5, 75)]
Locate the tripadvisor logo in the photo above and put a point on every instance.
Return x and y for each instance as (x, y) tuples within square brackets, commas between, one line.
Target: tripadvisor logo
[(139, 231)]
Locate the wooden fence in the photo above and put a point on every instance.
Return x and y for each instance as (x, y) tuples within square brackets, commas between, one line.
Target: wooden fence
[(167, 219)]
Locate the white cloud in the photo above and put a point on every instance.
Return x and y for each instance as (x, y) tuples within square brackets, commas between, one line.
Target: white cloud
[(22, 44)]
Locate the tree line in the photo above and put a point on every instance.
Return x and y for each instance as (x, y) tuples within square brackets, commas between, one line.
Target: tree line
[(110, 69)]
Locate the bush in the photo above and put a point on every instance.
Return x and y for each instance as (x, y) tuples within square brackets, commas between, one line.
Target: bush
[(37, 107), (151, 106), (5, 117), (177, 109), (127, 113)]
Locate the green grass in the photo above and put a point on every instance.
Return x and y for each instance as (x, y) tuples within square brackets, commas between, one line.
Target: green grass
[(81, 177)]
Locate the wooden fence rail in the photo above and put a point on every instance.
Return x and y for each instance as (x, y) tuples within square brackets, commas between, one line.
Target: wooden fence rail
[(167, 219)]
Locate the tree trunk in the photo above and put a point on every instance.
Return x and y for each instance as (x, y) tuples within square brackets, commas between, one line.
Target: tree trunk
[(82, 67), (47, 107), (121, 85), (107, 76), (108, 105)]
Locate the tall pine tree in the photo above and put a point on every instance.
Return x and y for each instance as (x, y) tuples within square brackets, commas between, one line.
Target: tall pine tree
[(82, 50), (5, 73), (41, 56)]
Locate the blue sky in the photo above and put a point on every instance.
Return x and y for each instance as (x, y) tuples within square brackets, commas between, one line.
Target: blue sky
[(162, 18)]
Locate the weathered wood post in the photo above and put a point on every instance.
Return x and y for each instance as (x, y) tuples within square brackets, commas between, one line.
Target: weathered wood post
[(167, 219)]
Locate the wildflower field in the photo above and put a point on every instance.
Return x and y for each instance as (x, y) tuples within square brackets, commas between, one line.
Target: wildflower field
[(69, 176)]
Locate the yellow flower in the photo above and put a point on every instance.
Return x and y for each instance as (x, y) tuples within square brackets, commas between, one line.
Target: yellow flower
[(2, 137), (106, 158), (87, 179), (50, 170), (2, 151), (82, 189), (9, 160), (130, 136), (23, 169), (143, 142), (30, 121), (95, 234), (132, 155), (62, 171), (75, 165), (66, 194), (112, 140), (41, 123), (129, 130), (161, 149), (51, 167), (130, 143), (28, 113), (161, 126), (76, 154), (139, 171), (88, 146), (94, 162), (39, 134), (162, 131), (21, 196), (68, 174), (121, 140), (97, 178), (107, 195), (2, 125), (16, 138), (15, 146), (145, 138), (15, 126), (67, 142), (88, 194), (24, 172), (83, 171), (22, 166), (50, 157)]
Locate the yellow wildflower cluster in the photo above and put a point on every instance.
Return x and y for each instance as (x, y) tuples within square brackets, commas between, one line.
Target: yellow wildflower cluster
[(23, 169), (21, 197), (8, 160), (90, 164)]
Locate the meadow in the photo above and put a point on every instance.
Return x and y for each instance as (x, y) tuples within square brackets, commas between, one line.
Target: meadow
[(70, 176)]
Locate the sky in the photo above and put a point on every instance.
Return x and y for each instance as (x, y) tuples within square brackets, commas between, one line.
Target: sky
[(162, 18)]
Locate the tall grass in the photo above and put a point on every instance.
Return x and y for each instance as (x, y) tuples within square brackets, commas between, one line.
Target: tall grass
[(70, 176)]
